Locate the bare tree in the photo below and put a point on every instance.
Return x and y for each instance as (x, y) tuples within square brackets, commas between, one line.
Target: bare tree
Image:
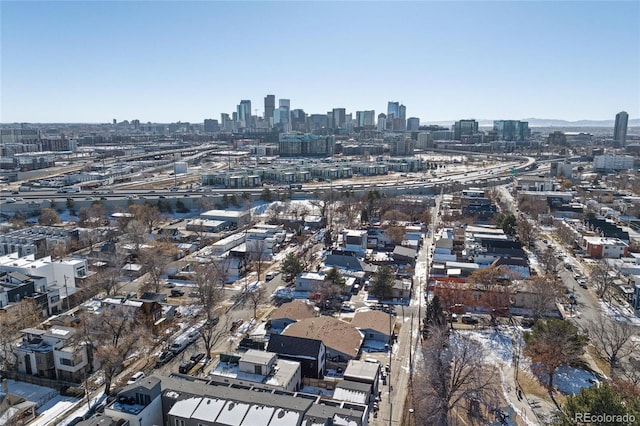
[(331, 290), (612, 340), (495, 285), (136, 232), (601, 278), (92, 216), (115, 334), (532, 207), (454, 374), (275, 212), (526, 231), (256, 254), (48, 217), (155, 261), (549, 261), (256, 296), (146, 214), (395, 234), (8, 335), (209, 279), (544, 291)]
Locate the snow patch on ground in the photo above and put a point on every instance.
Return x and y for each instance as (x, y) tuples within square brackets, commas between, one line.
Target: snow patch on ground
[(52, 409), (38, 394), (569, 380), (497, 343), (618, 314)]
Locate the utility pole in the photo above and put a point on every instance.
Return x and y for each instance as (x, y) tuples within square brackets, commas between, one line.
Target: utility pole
[(175, 175), (66, 292)]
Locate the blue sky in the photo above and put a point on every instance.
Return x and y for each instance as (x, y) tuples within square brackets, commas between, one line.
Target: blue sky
[(168, 61)]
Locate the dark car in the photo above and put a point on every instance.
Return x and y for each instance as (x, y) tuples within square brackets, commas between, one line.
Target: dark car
[(235, 324), (527, 322), (177, 292), (468, 319), (164, 358), (185, 367), (197, 357), (212, 322)]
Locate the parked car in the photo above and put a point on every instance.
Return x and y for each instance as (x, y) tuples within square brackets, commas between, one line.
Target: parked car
[(270, 276), (164, 358), (177, 292), (137, 376), (468, 319), (185, 366), (347, 308), (197, 357), (527, 322), (235, 324)]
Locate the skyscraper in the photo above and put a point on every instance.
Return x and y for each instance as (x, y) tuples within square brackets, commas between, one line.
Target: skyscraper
[(393, 110), (244, 113), (269, 106), (511, 130), (464, 128), (620, 128), (339, 117), (382, 122), (413, 124)]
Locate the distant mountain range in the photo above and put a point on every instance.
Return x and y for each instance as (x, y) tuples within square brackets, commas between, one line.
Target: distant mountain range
[(549, 122)]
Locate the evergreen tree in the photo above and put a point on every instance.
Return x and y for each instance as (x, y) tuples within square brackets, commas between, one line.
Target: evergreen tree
[(434, 316), (382, 283)]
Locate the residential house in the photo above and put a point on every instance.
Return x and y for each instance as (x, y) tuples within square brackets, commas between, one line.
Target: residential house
[(310, 353), (342, 340), (259, 369), (290, 312), (354, 240), (404, 255), (309, 281), (363, 372), (375, 325), (604, 247), (62, 276), (53, 354)]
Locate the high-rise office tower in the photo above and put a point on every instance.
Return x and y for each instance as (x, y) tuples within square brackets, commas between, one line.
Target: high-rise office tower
[(284, 103), (269, 106), (382, 122), (511, 130), (393, 110), (402, 112), (339, 117), (318, 122), (210, 125), (464, 128), (620, 128), (226, 123), (365, 119), (298, 121), (244, 113), (413, 123)]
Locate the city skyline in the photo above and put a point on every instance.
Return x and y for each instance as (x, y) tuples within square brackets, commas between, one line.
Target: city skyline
[(167, 62)]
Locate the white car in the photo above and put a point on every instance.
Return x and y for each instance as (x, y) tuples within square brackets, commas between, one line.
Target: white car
[(137, 376)]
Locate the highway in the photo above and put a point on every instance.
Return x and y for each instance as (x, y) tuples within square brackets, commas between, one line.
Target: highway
[(423, 183)]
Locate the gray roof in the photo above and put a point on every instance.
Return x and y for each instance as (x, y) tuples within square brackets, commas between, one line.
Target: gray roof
[(354, 386), (405, 252), (361, 369), (294, 346)]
